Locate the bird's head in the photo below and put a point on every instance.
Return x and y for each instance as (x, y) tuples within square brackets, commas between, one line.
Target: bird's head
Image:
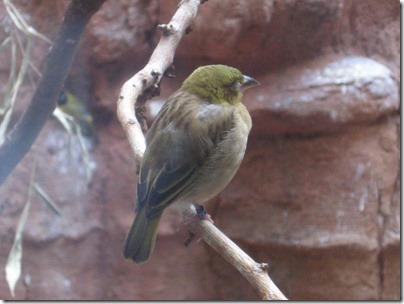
[(218, 84)]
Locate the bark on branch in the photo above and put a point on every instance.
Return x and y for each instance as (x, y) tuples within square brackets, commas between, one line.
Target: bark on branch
[(134, 93), (43, 102), (255, 273)]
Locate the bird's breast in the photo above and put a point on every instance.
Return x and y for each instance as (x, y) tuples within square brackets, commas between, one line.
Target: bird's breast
[(222, 164)]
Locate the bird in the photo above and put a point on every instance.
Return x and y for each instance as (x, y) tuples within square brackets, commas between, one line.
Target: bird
[(194, 147), (70, 104)]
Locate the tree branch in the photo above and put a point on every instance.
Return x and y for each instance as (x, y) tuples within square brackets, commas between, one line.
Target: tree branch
[(43, 102), (255, 273), (134, 93)]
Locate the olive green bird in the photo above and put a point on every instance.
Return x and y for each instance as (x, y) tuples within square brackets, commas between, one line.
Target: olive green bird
[(69, 104), (194, 148)]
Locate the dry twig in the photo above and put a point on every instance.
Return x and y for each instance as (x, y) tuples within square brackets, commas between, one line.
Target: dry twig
[(255, 273), (134, 94), (135, 91)]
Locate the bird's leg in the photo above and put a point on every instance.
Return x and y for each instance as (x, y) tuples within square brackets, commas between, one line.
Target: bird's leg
[(202, 214), (189, 239)]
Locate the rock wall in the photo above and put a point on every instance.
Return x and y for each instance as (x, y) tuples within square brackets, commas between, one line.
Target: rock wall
[(318, 193)]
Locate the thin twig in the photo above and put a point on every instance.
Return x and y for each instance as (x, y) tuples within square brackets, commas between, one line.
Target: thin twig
[(134, 93), (255, 273)]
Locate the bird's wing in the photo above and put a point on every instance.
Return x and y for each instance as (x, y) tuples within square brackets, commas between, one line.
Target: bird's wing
[(176, 151)]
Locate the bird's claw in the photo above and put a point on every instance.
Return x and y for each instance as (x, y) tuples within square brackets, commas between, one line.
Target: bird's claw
[(202, 214), (189, 239)]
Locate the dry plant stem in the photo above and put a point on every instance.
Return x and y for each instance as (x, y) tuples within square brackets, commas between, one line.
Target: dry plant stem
[(43, 102), (135, 92), (254, 272)]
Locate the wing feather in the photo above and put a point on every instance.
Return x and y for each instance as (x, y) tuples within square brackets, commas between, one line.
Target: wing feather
[(177, 149)]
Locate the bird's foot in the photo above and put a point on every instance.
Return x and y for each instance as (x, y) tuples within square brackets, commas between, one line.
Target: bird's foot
[(189, 239), (202, 214)]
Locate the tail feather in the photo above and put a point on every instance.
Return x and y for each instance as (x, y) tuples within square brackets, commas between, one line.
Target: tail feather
[(139, 242)]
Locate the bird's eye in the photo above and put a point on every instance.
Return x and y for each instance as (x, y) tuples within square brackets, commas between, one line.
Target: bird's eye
[(62, 98)]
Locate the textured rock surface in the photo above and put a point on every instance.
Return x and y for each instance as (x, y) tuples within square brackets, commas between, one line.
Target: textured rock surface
[(323, 95), (317, 195)]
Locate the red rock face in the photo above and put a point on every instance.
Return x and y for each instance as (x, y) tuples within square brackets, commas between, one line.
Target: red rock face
[(317, 195)]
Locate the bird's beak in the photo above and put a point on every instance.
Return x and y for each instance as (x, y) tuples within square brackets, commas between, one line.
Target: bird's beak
[(249, 82)]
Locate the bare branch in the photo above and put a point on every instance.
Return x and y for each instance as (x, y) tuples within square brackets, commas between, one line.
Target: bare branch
[(255, 273), (43, 102), (135, 92)]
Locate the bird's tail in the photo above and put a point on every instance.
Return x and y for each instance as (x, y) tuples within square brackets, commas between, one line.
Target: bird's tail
[(139, 242)]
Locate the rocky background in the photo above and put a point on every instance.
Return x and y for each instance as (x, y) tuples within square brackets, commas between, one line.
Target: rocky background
[(317, 196)]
